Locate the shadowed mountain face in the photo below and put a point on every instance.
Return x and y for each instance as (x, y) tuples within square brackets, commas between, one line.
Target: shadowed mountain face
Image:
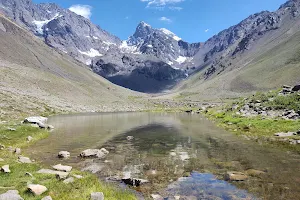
[(126, 62)]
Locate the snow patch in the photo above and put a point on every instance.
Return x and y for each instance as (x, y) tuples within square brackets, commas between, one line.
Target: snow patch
[(39, 24), (150, 46), (125, 47), (170, 63), (171, 34), (91, 53), (181, 59), (108, 43), (96, 38)]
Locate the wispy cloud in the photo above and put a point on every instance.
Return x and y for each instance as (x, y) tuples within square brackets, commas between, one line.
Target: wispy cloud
[(176, 8), (83, 10), (163, 3), (165, 19), (206, 30)]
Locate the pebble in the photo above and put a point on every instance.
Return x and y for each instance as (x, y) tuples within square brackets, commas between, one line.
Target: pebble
[(24, 160), (47, 198), (69, 180), (5, 169)]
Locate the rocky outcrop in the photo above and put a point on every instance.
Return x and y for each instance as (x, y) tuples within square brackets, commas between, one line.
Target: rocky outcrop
[(11, 195)]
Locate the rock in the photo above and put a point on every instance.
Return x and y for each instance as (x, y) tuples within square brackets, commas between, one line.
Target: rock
[(99, 153), (28, 174), (11, 129), (284, 134), (5, 169), (49, 171), (235, 176), (254, 172), (62, 176), (36, 189), (50, 127), (129, 138), (173, 154), (11, 195), (1, 160), (35, 120), (78, 176), (94, 168), (29, 138), (63, 168), (69, 180), (97, 196), (47, 198), (17, 151), (296, 88), (134, 181), (24, 159), (2, 147), (64, 154), (157, 197), (34, 125)]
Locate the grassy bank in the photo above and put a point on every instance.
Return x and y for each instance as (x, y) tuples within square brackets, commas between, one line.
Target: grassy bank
[(260, 128), (17, 180)]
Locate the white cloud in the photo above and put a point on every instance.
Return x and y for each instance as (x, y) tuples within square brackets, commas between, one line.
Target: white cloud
[(83, 10), (159, 3), (206, 30), (165, 19)]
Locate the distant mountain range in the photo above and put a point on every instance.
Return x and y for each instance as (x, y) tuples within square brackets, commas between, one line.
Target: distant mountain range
[(151, 60)]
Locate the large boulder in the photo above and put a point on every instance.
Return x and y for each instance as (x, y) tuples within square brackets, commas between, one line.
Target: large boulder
[(11, 195), (99, 153)]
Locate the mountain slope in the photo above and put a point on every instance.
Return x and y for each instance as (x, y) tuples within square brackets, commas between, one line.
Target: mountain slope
[(35, 78)]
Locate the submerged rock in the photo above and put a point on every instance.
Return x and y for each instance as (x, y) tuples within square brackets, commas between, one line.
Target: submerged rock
[(235, 176), (129, 138), (97, 196), (64, 154), (36, 189), (11, 195), (157, 197), (99, 153)]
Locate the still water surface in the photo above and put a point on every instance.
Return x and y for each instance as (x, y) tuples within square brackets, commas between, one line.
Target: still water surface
[(179, 154)]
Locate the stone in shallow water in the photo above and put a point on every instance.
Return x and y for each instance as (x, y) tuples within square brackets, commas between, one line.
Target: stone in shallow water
[(235, 176), (99, 153), (157, 197), (63, 168), (97, 196), (11, 195), (64, 154), (36, 189)]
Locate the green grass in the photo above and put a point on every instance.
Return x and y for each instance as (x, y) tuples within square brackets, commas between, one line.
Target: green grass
[(80, 189), (257, 128)]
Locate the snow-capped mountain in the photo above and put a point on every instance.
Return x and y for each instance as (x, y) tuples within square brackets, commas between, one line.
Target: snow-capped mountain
[(160, 43)]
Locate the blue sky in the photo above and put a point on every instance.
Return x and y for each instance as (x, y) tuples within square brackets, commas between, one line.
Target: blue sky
[(192, 20)]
